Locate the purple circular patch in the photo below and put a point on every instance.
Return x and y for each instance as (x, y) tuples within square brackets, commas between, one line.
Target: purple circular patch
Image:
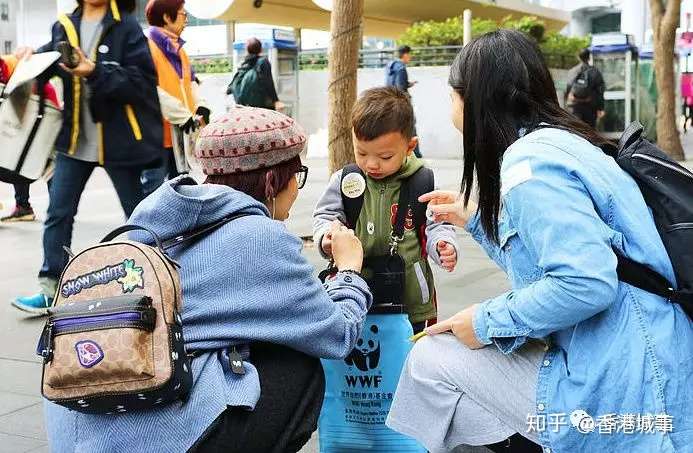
[(89, 353)]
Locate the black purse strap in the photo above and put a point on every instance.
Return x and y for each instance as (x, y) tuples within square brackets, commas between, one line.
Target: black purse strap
[(196, 233), (34, 129), (184, 238)]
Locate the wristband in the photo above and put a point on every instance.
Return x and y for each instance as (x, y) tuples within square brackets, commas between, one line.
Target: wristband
[(353, 272)]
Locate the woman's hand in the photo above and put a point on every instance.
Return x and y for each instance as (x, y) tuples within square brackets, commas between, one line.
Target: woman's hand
[(347, 251), (23, 52), (84, 68), (461, 325), (447, 206)]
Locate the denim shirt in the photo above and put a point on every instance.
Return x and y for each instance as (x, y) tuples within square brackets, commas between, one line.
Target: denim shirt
[(620, 354)]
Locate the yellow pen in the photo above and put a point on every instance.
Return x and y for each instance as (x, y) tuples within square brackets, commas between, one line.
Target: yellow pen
[(415, 338)]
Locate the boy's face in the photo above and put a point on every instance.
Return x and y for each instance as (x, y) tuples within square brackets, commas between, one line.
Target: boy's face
[(384, 155)]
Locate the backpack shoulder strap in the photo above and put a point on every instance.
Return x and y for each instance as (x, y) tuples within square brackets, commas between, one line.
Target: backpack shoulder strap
[(421, 182), (632, 133), (352, 206)]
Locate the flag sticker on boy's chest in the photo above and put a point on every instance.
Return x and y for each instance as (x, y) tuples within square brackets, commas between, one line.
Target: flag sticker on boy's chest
[(353, 185), (515, 175)]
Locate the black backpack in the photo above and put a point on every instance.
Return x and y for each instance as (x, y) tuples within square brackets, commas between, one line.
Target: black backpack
[(387, 277), (581, 88), (247, 88), (667, 188), (419, 183)]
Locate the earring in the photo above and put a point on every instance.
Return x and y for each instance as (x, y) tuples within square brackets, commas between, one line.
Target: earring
[(274, 207)]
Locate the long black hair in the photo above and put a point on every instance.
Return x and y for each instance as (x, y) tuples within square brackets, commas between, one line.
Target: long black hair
[(505, 85)]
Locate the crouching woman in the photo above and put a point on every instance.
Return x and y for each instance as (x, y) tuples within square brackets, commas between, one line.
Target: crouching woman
[(246, 287)]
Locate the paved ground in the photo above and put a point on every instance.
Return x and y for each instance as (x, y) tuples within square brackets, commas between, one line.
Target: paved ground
[(21, 419)]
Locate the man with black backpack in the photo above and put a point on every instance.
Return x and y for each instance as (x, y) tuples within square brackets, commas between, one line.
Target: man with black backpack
[(584, 94), (252, 85)]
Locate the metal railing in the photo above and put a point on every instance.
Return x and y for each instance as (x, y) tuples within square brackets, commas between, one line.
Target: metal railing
[(316, 59), (420, 56)]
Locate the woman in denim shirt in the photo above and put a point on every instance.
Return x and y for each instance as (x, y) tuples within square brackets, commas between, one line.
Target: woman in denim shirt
[(570, 359)]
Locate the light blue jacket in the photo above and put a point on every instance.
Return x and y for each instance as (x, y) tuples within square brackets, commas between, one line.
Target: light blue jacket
[(245, 281), (614, 349)]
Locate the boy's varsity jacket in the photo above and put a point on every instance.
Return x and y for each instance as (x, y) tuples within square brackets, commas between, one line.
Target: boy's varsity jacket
[(374, 226)]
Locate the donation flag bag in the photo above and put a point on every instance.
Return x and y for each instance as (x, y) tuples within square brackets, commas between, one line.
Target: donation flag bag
[(359, 389), (28, 125)]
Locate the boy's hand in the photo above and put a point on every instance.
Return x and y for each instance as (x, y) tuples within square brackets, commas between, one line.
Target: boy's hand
[(326, 242), (448, 255), (347, 249)]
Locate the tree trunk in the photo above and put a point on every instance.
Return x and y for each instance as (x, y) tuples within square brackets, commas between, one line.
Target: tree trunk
[(664, 23), (342, 64)]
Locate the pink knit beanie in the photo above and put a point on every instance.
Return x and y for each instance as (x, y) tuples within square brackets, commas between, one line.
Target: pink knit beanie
[(246, 139)]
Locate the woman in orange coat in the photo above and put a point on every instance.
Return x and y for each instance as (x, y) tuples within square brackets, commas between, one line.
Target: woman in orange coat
[(177, 84)]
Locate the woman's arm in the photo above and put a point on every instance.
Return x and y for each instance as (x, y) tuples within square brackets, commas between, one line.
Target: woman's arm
[(556, 222), (126, 81), (275, 297), (328, 209)]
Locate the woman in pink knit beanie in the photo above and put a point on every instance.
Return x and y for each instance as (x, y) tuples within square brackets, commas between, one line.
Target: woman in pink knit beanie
[(255, 151)]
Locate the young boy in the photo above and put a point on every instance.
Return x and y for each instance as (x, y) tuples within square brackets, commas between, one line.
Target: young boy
[(383, 131)]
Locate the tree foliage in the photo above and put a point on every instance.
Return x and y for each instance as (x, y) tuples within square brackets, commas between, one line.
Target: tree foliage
[(560, 51)]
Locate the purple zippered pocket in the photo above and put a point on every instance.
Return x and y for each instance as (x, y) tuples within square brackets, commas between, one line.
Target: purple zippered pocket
[(83, 321), (114, 313)]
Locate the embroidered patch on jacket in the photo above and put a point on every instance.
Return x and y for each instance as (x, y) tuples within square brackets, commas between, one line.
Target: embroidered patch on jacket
[(125, 273), (89, 353), (515, 175), (408, 220)]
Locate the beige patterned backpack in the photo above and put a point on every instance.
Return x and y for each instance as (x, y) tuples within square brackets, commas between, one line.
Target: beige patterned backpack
[(113, 341)]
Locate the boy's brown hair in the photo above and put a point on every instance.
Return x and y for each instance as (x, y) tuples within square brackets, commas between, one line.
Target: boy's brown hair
[(379, 111)]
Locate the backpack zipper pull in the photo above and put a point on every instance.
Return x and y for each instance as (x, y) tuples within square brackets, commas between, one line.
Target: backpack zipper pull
[(236, 362)]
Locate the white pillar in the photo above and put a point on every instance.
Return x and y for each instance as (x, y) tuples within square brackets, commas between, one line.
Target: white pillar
[(467, 21), (65, 6), (635, 20), (230, 37)]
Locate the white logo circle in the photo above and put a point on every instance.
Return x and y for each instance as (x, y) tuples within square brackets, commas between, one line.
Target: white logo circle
[(582, 421), (103, 48), (353, 185)]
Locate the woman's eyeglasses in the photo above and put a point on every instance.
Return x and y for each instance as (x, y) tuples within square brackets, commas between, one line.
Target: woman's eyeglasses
[(302, 176)]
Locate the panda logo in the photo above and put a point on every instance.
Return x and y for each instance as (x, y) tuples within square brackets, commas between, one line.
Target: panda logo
[(366, 354)]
